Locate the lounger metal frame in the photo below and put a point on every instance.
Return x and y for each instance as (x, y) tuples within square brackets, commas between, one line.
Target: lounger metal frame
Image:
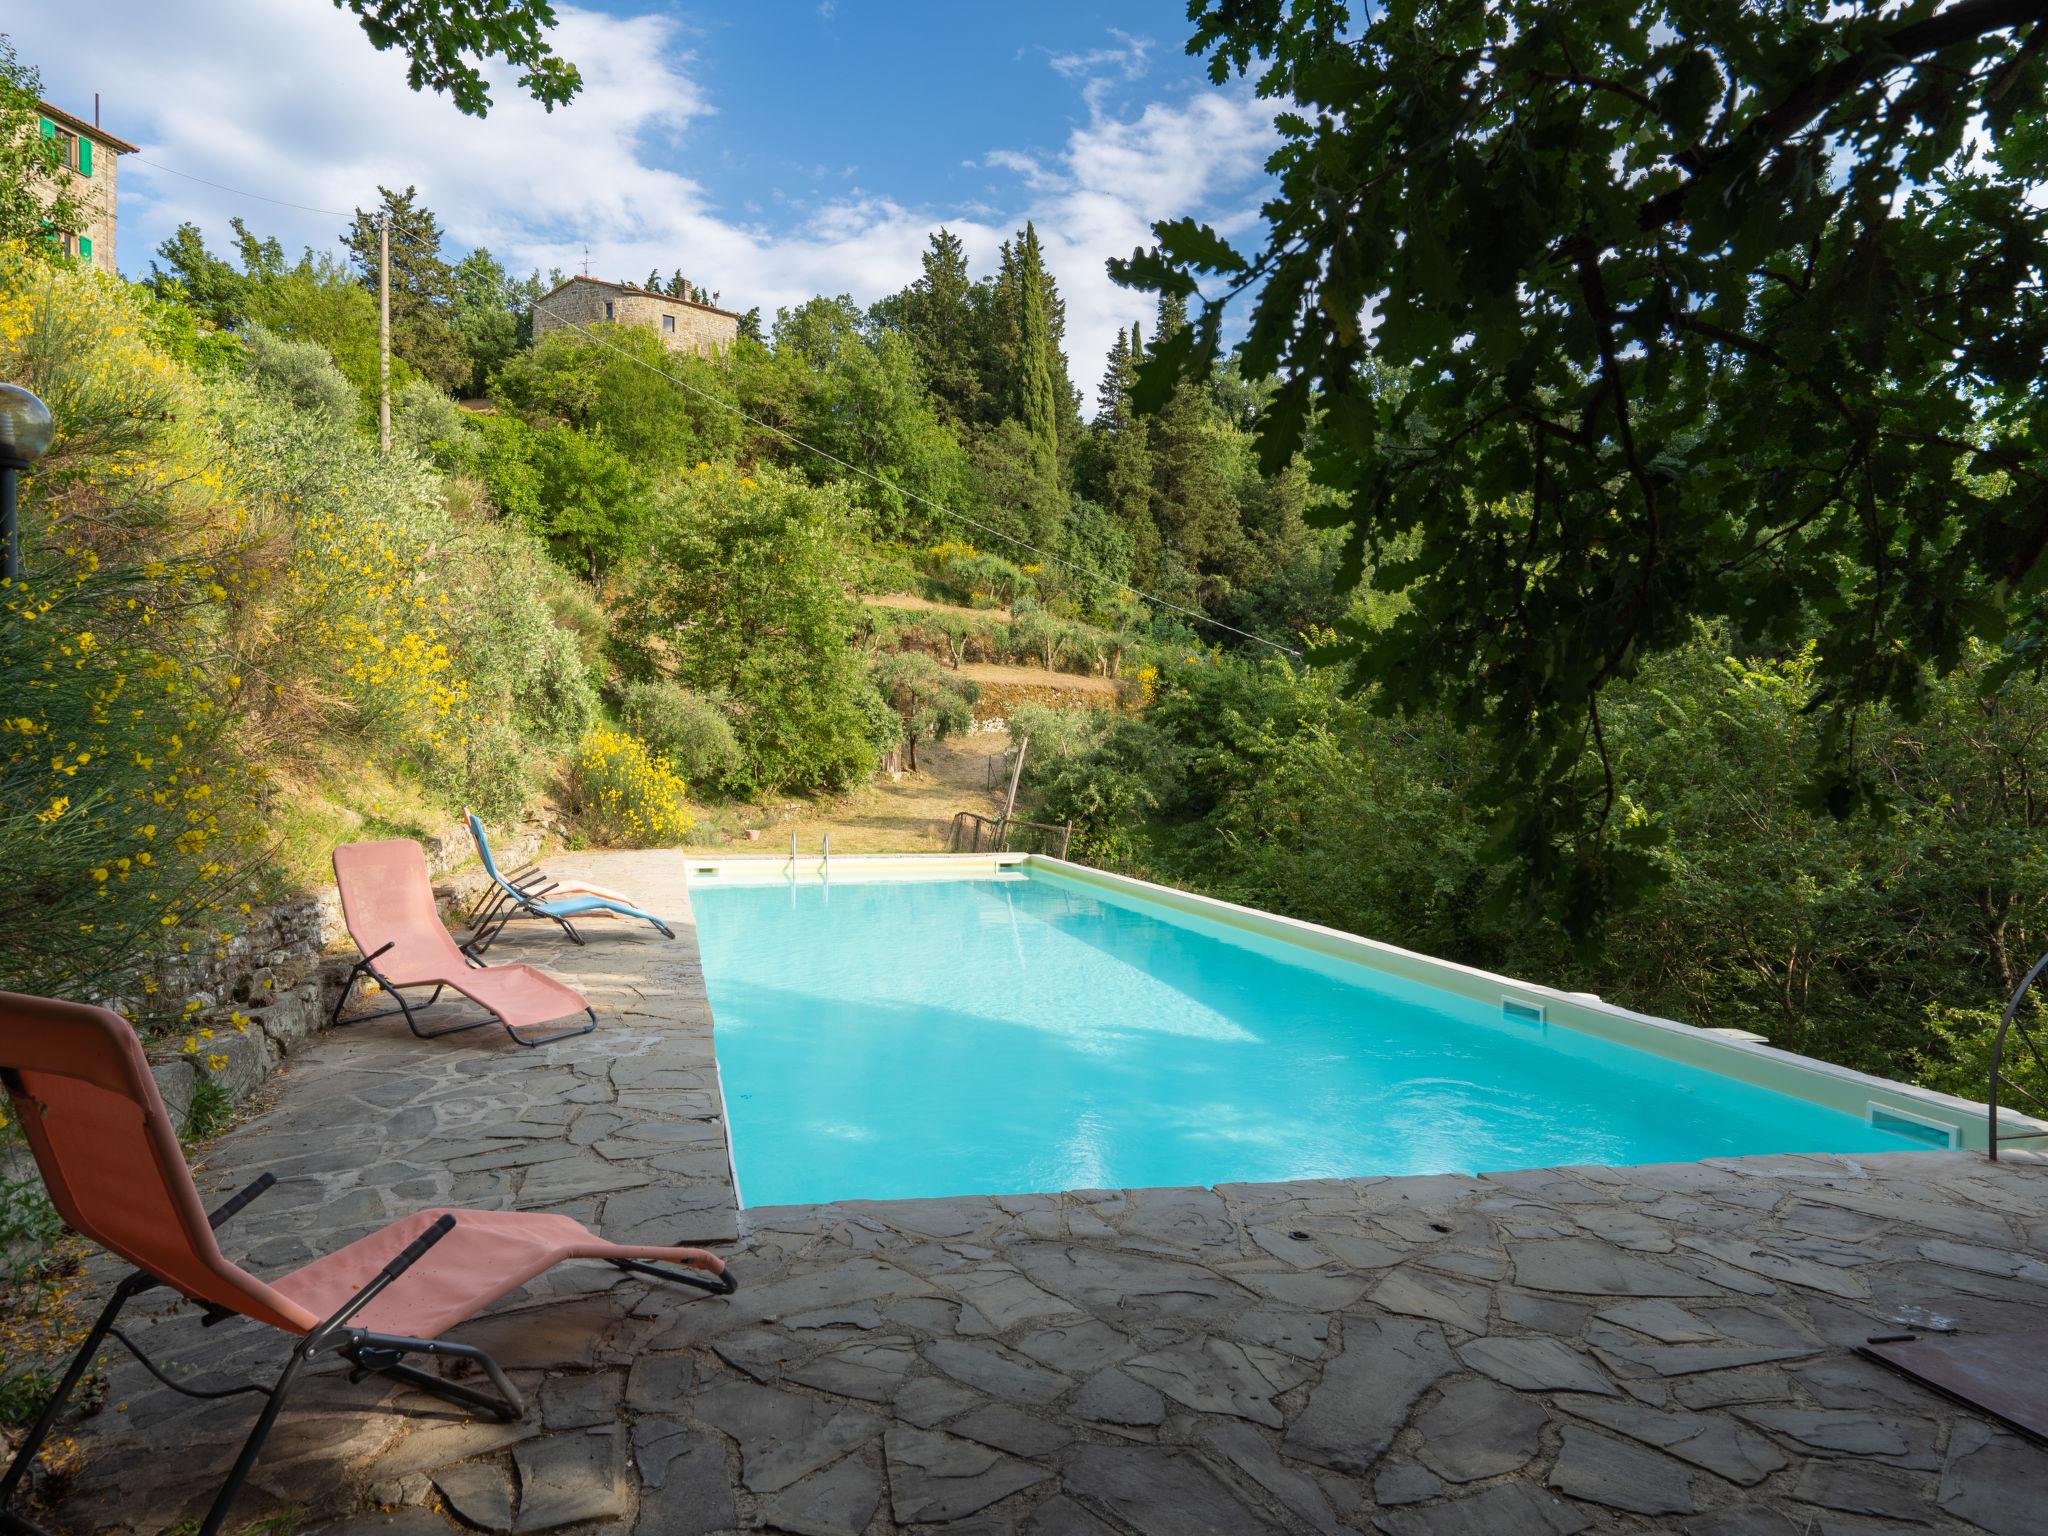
[(516, 897), (529, 883), (366, 966)]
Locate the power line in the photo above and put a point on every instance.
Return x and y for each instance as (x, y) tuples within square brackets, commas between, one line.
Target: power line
[(401, 236), (238, 192), (944, 511)]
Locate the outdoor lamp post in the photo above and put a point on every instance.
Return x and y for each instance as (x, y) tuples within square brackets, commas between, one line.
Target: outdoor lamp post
[(26, 428)]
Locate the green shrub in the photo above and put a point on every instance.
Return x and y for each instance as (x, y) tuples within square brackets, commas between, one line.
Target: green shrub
[(570, 487), (424, 421), (222, 580), (320, 300), (692, 729), (1040, 637), (1108, 787), (612, 385), (300, 373), (592, 502), (431, 640), (970, 577), (1057, 734), (125, 813), (1957, 1056), (578, 611), (625, 795), (505, 465), (737, 592)]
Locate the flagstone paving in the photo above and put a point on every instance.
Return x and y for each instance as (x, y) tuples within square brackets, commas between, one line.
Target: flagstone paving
[(1539, 1353)]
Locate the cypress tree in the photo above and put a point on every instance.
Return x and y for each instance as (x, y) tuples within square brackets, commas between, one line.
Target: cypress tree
[(939, 320), (1037, 405), (1053, 342), (1038, 385), (1125, 454), (1191, 501)]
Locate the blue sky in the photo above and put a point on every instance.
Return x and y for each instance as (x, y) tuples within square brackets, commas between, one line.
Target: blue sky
[(771, 151)]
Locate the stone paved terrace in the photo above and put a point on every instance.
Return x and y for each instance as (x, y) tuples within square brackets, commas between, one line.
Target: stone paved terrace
[(1541, 1353)]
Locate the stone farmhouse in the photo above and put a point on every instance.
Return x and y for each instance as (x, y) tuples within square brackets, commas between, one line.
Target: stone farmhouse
[(685, 324), (86, 156)]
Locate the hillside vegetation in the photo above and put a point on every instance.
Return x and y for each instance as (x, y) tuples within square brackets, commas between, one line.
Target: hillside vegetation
[(602, 585)]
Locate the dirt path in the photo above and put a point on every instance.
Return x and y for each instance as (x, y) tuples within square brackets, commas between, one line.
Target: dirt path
[(910, 602), (912, 813)]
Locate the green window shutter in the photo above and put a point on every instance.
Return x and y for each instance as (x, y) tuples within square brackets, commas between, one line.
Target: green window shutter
[(84, 156), (49, 129), (85, 248)]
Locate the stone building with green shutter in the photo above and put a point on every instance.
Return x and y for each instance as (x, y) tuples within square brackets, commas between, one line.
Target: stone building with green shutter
[(86, 157)]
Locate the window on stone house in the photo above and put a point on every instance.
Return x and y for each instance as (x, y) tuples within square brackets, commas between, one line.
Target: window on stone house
[(668, 322), (607, 309)]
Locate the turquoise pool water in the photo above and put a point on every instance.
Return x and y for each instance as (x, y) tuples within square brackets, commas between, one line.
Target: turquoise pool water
[(890, 1039)]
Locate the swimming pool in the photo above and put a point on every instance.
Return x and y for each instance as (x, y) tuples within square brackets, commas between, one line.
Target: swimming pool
[(1025, 1030)]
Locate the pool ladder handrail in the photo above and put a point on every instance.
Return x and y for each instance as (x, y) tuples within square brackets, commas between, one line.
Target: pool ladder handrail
[(824, 868), (1999, 1079)]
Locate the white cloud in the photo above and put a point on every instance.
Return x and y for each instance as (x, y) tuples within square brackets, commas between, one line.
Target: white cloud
[(1204, 156), (1128, 58), (288, 100), (1100, 67)]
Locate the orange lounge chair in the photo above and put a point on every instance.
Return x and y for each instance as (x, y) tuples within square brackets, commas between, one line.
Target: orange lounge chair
[(110, 1160), (387, 902)]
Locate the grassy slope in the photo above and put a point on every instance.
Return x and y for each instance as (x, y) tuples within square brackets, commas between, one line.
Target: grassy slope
[(911, 814)]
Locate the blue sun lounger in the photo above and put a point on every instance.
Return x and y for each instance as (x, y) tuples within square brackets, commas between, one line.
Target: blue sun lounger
[(533, 896)]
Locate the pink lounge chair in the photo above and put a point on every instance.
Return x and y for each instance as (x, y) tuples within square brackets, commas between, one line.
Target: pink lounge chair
[(110, 1160), (387, 902)]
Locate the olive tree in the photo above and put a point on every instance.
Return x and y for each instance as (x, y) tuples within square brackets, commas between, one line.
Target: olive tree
[(931, 702)]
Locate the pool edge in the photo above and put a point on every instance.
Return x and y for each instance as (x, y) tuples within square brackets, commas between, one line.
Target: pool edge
[(1843, 1089)]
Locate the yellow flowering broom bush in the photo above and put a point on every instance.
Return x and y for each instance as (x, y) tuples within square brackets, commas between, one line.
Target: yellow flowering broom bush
[(626, 794), (215, 581), (126, 820), (422, 639)]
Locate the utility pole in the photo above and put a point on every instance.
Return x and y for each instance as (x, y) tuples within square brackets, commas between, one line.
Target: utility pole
[(1016, 776), (384, 332)]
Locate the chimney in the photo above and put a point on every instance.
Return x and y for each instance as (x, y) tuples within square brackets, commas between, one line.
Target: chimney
[(95, 109)]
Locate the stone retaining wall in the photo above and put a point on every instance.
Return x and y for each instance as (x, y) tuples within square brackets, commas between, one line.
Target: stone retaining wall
[(283, 972), (999, 700)]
